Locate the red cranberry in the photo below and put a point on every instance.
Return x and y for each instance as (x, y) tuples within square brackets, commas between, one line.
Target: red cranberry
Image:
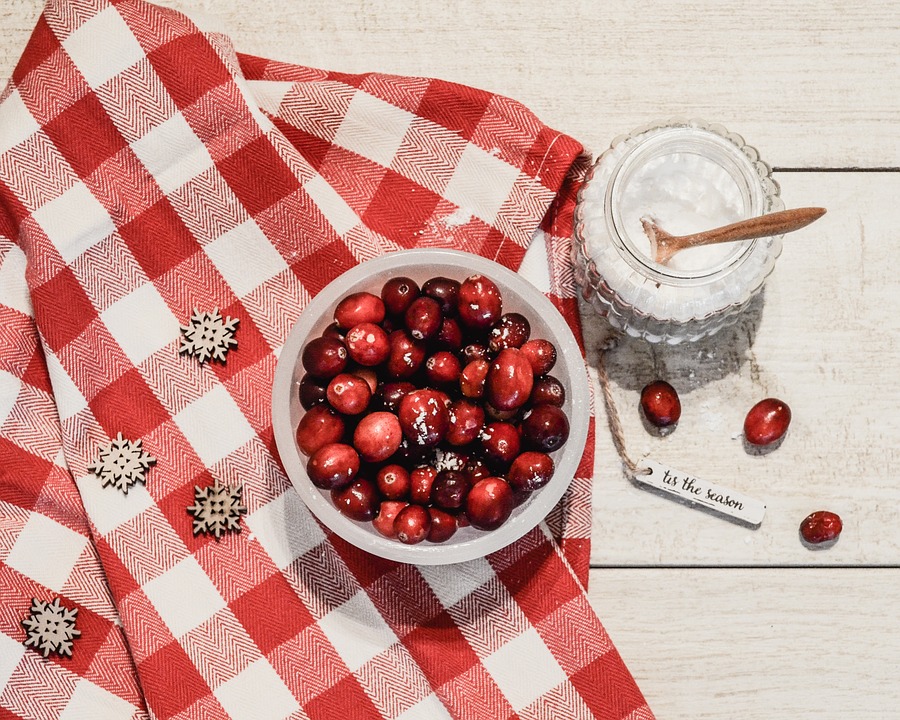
[(387, 513), (541, 354), (767, 422), (475, 351), (334, 332), (509, 380), (489, 503), (443, 526), (479, 302), (450, 489), (500, 443), (391, 393), (821, 526), (348, 394), (548, 390), (333, 466), (450, 336), (660, 404), (530, 471), (312, 391), (473, 377), (494, 415), (393, 481), (445, 291), (421, 480), (412, 524), (424, 417), (511, 331), (545, 428), (477, 470), (406, 355), (367, 344), (442, 368), (377, 436), (466, 421), (324, 357), (367, 374), (423, 318), (359, 500), (319, 426), (359, 307), (398, 294)]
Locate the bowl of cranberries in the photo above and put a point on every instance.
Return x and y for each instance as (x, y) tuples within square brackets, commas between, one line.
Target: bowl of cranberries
[(430, 406)]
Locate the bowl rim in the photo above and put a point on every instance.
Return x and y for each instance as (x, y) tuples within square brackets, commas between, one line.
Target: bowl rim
[(567, 459)]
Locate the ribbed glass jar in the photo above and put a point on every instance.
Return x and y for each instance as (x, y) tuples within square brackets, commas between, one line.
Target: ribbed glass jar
[(689, 176)]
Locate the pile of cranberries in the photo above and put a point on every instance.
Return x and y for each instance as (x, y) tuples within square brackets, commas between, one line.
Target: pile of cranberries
[(429, 408)]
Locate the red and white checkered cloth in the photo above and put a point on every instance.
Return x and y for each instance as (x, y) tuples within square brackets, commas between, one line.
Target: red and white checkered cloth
[(146, 169)]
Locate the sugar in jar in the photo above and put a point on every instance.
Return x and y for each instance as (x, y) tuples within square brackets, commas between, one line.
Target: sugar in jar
[(689, 176)]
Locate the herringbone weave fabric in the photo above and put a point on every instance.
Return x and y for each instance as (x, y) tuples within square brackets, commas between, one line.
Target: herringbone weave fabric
[(146, 169)]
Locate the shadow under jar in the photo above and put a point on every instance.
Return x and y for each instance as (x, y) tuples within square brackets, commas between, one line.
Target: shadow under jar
[(689, 176)]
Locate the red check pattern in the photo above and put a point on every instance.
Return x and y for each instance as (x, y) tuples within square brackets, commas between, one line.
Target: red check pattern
[(146, 169)]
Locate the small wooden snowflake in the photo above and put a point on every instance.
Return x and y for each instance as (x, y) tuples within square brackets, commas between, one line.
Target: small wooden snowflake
[(122, 464), (50, 628), (217, 509), (208, 336)]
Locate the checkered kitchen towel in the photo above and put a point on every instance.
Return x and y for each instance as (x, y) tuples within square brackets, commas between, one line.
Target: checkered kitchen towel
[(146, 170)]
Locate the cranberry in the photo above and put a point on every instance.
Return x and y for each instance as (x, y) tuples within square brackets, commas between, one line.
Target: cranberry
[(511, 331), (479, 303), (473, 377), (530, 471), (324, 357), (466, 421), (660, 404), (393, 481), (500, 443), (409, 454), (421, 480), (548, 390), (391, 393), (475, 351), (311, 391), (348, 394), (334, 332), (367, 374), (406, 355), (423, 318), (359, 307), (398, 294), (489, 503), (359, 500), (333, 466), (445, 291), (509, 380), (767, 422), (319, 426), (541, 354), (367, 344), (477, 470), (412, 524), (387, 513), (821, 526), (443, 526), (449, 489), (450, 336), (377, 436), (495, 415), (442, 368), (545, 428), (424, 417)]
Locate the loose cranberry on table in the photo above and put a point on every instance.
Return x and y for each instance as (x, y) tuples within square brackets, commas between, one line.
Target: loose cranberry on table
[(412, 524), (333, 466), (767, 422), (820, 527), (359, 307), (348, 394), (377, 436), (660, 404), (398, 294), (319, 426), (489, 503)]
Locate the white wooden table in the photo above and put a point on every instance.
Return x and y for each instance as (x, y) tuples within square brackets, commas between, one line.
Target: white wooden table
[(715, 620)]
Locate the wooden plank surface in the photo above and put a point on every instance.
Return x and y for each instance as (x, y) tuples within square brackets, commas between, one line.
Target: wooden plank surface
[(757, 644), (813, 83)]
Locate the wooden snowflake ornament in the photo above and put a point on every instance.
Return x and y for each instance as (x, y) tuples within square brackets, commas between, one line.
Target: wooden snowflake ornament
[(50, 628), (217, 509), (208, 336), (122, 464)]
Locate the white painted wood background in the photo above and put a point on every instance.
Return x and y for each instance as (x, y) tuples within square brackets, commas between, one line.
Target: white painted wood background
[(715, 620)]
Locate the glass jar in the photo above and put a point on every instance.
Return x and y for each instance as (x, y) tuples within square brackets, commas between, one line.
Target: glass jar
[(689, 176)]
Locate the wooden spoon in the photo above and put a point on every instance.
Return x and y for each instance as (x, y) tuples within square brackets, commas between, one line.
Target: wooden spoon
[(663, 245)]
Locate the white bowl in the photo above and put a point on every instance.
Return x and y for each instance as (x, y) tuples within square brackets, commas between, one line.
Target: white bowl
[(518, 296)]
